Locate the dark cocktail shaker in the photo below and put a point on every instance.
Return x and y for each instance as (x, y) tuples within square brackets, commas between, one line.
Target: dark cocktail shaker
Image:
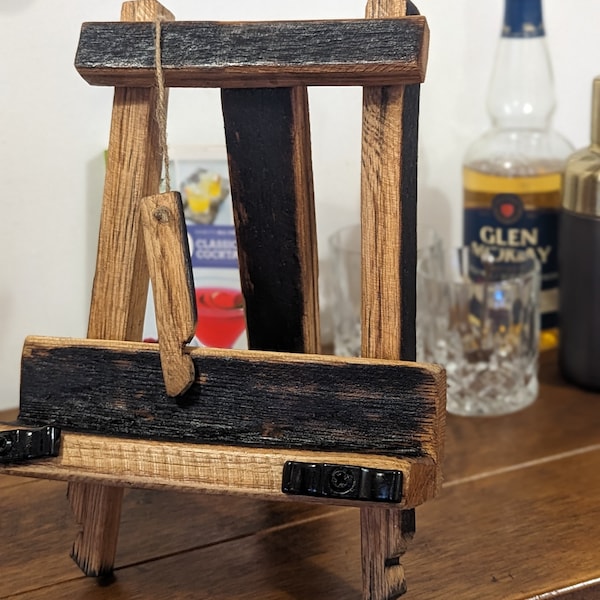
[(579, 261)]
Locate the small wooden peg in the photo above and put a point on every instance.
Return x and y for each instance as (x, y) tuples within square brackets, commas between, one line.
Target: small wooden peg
[(170, 270)]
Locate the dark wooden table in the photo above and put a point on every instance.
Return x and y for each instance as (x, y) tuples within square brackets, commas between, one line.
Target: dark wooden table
[(518, 518)]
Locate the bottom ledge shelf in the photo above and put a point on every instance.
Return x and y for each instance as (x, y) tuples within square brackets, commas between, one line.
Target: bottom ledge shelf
[(213, 469)]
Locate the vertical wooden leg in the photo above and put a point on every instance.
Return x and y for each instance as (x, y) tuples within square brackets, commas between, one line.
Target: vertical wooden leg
[(384, 539), (389, 202), (97, 509), (389, 210), (133, 170)]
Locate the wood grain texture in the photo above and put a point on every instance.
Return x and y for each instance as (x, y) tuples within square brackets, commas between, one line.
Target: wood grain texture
[(154, 524), (526, 490), (389, 248), (180, 546), (388, 217), (223, 470), (145, 10), (247, 398), (97, 511), (384, 540), (91, 513), (170, 268), (7, 481), (256, 54), (527, 438), (133, 169), (268, 145)]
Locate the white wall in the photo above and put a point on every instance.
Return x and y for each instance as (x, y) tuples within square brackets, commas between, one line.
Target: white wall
[(54, 127)]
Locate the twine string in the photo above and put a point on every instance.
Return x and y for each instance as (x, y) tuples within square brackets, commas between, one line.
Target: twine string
[(161, 106)]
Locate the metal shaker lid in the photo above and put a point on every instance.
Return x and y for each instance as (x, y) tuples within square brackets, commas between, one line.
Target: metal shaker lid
[(581, 192)]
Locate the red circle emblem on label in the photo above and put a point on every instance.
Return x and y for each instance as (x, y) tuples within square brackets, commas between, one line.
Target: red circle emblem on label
[(507, 208)]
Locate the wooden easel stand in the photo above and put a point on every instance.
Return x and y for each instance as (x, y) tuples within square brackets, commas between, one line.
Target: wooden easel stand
[(226, 422)]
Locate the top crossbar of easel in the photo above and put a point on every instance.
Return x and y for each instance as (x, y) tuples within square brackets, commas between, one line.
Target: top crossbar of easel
[(362, 52)]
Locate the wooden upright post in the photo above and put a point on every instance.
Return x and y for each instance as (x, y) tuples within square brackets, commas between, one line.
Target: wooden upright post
[(388, 218), (121, 280)]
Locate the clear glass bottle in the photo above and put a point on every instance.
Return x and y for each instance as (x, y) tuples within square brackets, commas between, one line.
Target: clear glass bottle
[(512, 175)]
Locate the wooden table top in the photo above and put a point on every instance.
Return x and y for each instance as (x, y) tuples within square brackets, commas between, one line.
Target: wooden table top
[(518, 518)]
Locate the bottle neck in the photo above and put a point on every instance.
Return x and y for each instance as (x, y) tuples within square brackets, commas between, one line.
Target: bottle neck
[(521, 92), (523, 19)]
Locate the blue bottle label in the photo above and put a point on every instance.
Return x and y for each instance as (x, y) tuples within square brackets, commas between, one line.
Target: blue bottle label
[(523, 18), (503, 225)]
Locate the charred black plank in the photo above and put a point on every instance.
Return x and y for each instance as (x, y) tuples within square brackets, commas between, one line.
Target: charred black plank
[(408, 222), (240, 398), (256, 54), (268, 147)]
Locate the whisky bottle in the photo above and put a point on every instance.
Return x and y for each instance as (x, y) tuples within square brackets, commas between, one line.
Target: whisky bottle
[(512, 175)]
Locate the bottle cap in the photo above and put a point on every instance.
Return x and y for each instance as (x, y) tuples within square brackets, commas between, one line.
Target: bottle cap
[(523, 18), (582, 174)]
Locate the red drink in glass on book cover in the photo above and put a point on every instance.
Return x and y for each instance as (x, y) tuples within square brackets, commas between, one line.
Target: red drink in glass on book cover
[(220, 316), (202, 176)]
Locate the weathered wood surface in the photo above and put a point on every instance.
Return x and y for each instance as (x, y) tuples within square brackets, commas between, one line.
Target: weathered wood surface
[(155, 524), (248, 398), (389, 216), (120, 290), (179, 546), (133, 171), (268, 146), (389, 212), (517, 519), (389, 247), (170, 268), (223, 470), (256, 54)]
